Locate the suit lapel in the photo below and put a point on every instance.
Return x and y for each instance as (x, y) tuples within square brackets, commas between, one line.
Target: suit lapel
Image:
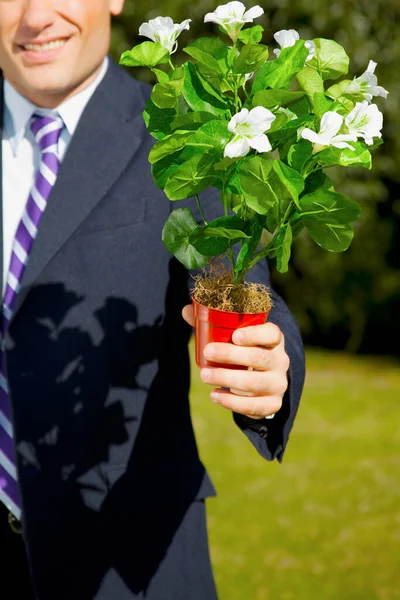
[(108, 135)]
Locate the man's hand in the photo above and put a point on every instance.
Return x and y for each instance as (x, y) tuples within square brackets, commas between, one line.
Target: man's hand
[(262, 348)]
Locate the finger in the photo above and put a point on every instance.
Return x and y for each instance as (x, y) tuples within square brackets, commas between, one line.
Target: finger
[(256, 407), (257, 358), (259, 383), (268, 335), (187, 314)]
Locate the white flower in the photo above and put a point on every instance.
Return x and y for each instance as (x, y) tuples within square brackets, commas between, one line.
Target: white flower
[(164, 31), (331, 123), (249, 128), (232, 16), (366, 121), (366, 84), (288, 37)]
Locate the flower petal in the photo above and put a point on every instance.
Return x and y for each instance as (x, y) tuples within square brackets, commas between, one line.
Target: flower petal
[(238, 147), (233, 9), (259, 119), (181, 26), (212, 18), (147, 31), (237, 119), (310, 135), (331, 122), (260, 143), (162, 23), (342, 145), (253, 13), (309, 44), (286, 37), (365, 120)]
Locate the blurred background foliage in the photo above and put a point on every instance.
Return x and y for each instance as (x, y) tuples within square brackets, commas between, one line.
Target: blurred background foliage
[(351, 300)]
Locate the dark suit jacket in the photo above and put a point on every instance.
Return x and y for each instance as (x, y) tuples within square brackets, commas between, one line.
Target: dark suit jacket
[(98, 367)]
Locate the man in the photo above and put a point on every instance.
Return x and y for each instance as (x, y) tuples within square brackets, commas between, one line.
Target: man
[(97, 454)]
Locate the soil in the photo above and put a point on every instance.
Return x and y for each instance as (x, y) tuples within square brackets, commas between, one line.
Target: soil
[(214, 288)]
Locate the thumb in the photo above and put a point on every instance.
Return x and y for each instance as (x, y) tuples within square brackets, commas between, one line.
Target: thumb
[(187, 314)]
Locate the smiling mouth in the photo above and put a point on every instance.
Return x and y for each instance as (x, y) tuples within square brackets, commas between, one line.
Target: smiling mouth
[(45, 46)]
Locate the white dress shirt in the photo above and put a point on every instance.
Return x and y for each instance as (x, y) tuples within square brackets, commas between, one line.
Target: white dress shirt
[(21, 155)]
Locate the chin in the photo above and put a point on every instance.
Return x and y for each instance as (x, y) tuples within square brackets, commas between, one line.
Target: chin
[(47, 86)]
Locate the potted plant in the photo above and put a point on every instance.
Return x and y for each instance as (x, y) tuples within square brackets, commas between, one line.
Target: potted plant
[(263, 131)]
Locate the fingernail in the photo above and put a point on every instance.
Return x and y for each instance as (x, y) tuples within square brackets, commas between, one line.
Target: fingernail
[(209, 352), (214, 396), (206, 375), (239, 337)]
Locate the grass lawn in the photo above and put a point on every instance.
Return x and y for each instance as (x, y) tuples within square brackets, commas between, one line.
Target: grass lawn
[(325, 524)]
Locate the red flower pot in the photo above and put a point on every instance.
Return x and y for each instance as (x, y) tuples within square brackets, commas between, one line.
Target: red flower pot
[(212, 325)]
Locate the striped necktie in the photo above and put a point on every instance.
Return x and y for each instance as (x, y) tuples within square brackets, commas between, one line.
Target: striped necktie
[(46, 131)]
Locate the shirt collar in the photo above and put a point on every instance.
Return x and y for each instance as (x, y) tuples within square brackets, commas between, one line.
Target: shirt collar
[(19, 110)]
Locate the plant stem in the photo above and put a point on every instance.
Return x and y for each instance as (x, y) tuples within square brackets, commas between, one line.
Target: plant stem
[(171, 65), (229, 254), (201, 210), (265, 251), (225, 201), (236, 98)]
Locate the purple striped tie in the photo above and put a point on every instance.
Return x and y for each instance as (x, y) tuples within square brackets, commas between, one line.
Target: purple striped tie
[(46, 131)]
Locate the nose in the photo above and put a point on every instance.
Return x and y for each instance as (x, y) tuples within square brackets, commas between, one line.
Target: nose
[(37, 15)]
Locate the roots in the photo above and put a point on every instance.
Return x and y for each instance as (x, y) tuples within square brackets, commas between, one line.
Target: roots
[(215, 288)]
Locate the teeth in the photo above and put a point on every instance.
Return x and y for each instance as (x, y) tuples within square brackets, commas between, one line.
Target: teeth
[(43, 47)]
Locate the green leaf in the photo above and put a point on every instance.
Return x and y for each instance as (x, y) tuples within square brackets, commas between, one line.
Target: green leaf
[(282, 248), (299, 154), (301, 107), (211, 137), (254, 175), (168, 146), (249, 246), (191, 121), (272, 98), (211, 52), (228, 170), (359, 157), (165, 95), (191, 178), (312, 83), (279, 73), (199, 95), (251, 35), (163, 169), (251, 58), (158, 120), (281, 118), (272, 218), (208, 245), (328, 217), (162, 77), (337, 90), (216, 237), (318, 180), (230, 223), (291, 179), (299, 122), (330, 59), (176, 237), (147, 54)]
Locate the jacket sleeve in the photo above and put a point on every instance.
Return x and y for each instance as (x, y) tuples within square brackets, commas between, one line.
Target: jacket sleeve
[(270, 436)]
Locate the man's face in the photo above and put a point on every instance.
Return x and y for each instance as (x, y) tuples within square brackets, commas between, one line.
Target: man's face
[(50, 49)]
